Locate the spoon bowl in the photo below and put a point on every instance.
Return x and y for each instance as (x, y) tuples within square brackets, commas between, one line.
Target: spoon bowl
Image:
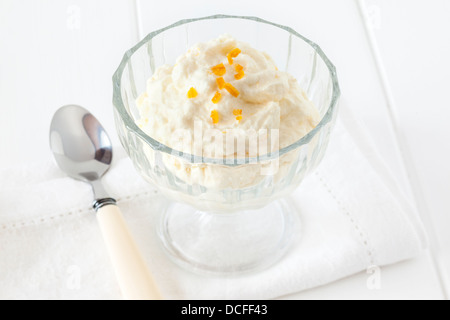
[(80, 144)]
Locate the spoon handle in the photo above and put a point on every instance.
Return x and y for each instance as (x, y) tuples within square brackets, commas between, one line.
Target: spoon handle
[(133, 276)]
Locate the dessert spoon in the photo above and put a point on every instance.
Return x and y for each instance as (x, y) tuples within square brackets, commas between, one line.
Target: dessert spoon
[(83, 150)]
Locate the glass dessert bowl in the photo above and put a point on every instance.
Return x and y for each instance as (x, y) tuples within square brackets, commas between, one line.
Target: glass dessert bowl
[(228, 215)]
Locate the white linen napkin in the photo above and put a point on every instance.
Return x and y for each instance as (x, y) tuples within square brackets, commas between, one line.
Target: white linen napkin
[(353, 216)]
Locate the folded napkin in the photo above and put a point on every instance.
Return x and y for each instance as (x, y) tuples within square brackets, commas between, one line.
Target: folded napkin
[(353, 216)]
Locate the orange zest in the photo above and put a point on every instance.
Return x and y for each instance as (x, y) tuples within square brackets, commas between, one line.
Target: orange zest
[(192, 93), (239, 75), (232, 90), (233, 54), (219, 70), (238, 114), (215, 116), (216, 97), (240, 72), (220, 83)]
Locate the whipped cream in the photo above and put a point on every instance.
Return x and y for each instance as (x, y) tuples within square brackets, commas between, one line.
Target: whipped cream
[(268, 99)]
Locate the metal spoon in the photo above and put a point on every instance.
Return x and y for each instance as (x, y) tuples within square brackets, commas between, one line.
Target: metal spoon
[(83, 150)]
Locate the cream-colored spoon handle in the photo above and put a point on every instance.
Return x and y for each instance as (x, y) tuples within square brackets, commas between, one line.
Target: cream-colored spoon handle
[(133, 276)]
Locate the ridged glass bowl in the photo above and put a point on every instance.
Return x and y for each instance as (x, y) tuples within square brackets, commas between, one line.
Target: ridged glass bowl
[(226, 225)]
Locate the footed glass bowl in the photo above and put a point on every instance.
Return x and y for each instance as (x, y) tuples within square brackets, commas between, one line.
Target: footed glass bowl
[(216, 225)]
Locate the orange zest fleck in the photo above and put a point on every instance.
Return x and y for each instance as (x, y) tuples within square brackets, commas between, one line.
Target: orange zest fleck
[(220, 83), (192, 93), (238, 114), (216, 97), (232, 90), (219, 70), (239, 75), (215, 116), (233, 54), (240, 72)]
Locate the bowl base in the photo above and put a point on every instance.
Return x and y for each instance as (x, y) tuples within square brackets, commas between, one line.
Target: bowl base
[(229, 243)]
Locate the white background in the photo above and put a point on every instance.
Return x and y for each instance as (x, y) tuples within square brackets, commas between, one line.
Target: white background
[(393, 65)]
